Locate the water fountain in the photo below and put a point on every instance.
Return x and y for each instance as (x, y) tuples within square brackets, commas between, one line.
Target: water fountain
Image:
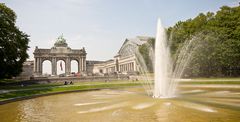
[(166, 75), (163, 66)]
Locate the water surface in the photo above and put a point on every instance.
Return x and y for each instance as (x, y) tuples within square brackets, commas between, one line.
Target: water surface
[(128, 105)]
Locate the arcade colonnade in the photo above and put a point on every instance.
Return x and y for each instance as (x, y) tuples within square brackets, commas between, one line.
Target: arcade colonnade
[(39, 64), (60, 51)]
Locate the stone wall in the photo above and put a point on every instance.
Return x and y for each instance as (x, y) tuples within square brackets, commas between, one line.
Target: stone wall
[(79, 79), (27, 71)]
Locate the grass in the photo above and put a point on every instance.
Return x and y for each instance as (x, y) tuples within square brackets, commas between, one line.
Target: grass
[(3, 81), (55, 88), (16, 91), (18, 87)]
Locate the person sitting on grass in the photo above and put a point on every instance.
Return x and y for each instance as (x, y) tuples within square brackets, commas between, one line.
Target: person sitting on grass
[(65, 83)]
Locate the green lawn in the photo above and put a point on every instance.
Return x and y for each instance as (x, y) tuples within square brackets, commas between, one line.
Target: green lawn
[(16, 87), (7, 81), (10, 91), (18, 91)]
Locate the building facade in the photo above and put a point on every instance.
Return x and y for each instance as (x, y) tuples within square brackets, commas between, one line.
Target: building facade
[(125, 62), (60, 51)]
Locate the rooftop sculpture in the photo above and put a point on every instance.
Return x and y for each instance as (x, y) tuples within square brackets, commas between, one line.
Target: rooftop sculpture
[(61, 42)]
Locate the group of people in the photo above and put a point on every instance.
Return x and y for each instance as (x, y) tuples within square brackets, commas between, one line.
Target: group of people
[(66, 83)]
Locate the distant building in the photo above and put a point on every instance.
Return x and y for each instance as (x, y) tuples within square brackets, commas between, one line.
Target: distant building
[(124, 62), (60, 51)]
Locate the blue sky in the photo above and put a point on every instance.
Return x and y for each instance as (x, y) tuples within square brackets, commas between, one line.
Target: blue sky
[(101, 26)]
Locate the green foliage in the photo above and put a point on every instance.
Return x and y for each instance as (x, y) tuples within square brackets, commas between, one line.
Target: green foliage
[(13, 44), (217, 41), (145, 52)]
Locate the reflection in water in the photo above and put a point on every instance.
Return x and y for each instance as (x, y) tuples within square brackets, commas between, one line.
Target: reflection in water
[(126, 105), (82, 104), (164, 111), (196, 106), (104, 108), (142, 105), (33, 109)]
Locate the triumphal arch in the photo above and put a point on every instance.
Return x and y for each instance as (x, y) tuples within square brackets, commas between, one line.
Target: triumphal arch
[(60, 51)]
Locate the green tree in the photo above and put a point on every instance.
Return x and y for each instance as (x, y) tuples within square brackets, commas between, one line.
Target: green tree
[(226, 23), (13, 44), (215, 38), (145, 52), (218, 40)]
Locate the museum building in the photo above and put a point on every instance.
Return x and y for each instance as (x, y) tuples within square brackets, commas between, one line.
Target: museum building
[(124, 62)]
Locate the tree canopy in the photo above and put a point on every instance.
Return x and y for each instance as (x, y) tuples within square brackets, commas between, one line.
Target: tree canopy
[(13, 44), (217, 38)]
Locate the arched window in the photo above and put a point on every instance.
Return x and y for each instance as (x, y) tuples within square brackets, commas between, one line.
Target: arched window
[(47, 68), (74, 66)]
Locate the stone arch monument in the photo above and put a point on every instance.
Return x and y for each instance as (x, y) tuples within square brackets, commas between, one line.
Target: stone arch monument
[(60, 51)]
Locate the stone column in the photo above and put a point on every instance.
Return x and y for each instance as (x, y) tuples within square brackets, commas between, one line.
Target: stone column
[(84, 64), (125, 67), (134, 66), (80, 64), (37, 72), (128, 66), (40, 66), (68, 66), (117, 66), (131, 66), (54, 66), (35, 65)]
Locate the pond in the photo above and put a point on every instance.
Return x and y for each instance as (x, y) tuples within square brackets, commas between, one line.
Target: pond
[(131, 104)]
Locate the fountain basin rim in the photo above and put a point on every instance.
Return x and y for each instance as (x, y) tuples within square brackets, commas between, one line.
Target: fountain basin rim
[(164, 97)]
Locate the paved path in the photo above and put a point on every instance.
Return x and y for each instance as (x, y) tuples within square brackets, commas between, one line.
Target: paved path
[(204, 80), (211, 86)]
